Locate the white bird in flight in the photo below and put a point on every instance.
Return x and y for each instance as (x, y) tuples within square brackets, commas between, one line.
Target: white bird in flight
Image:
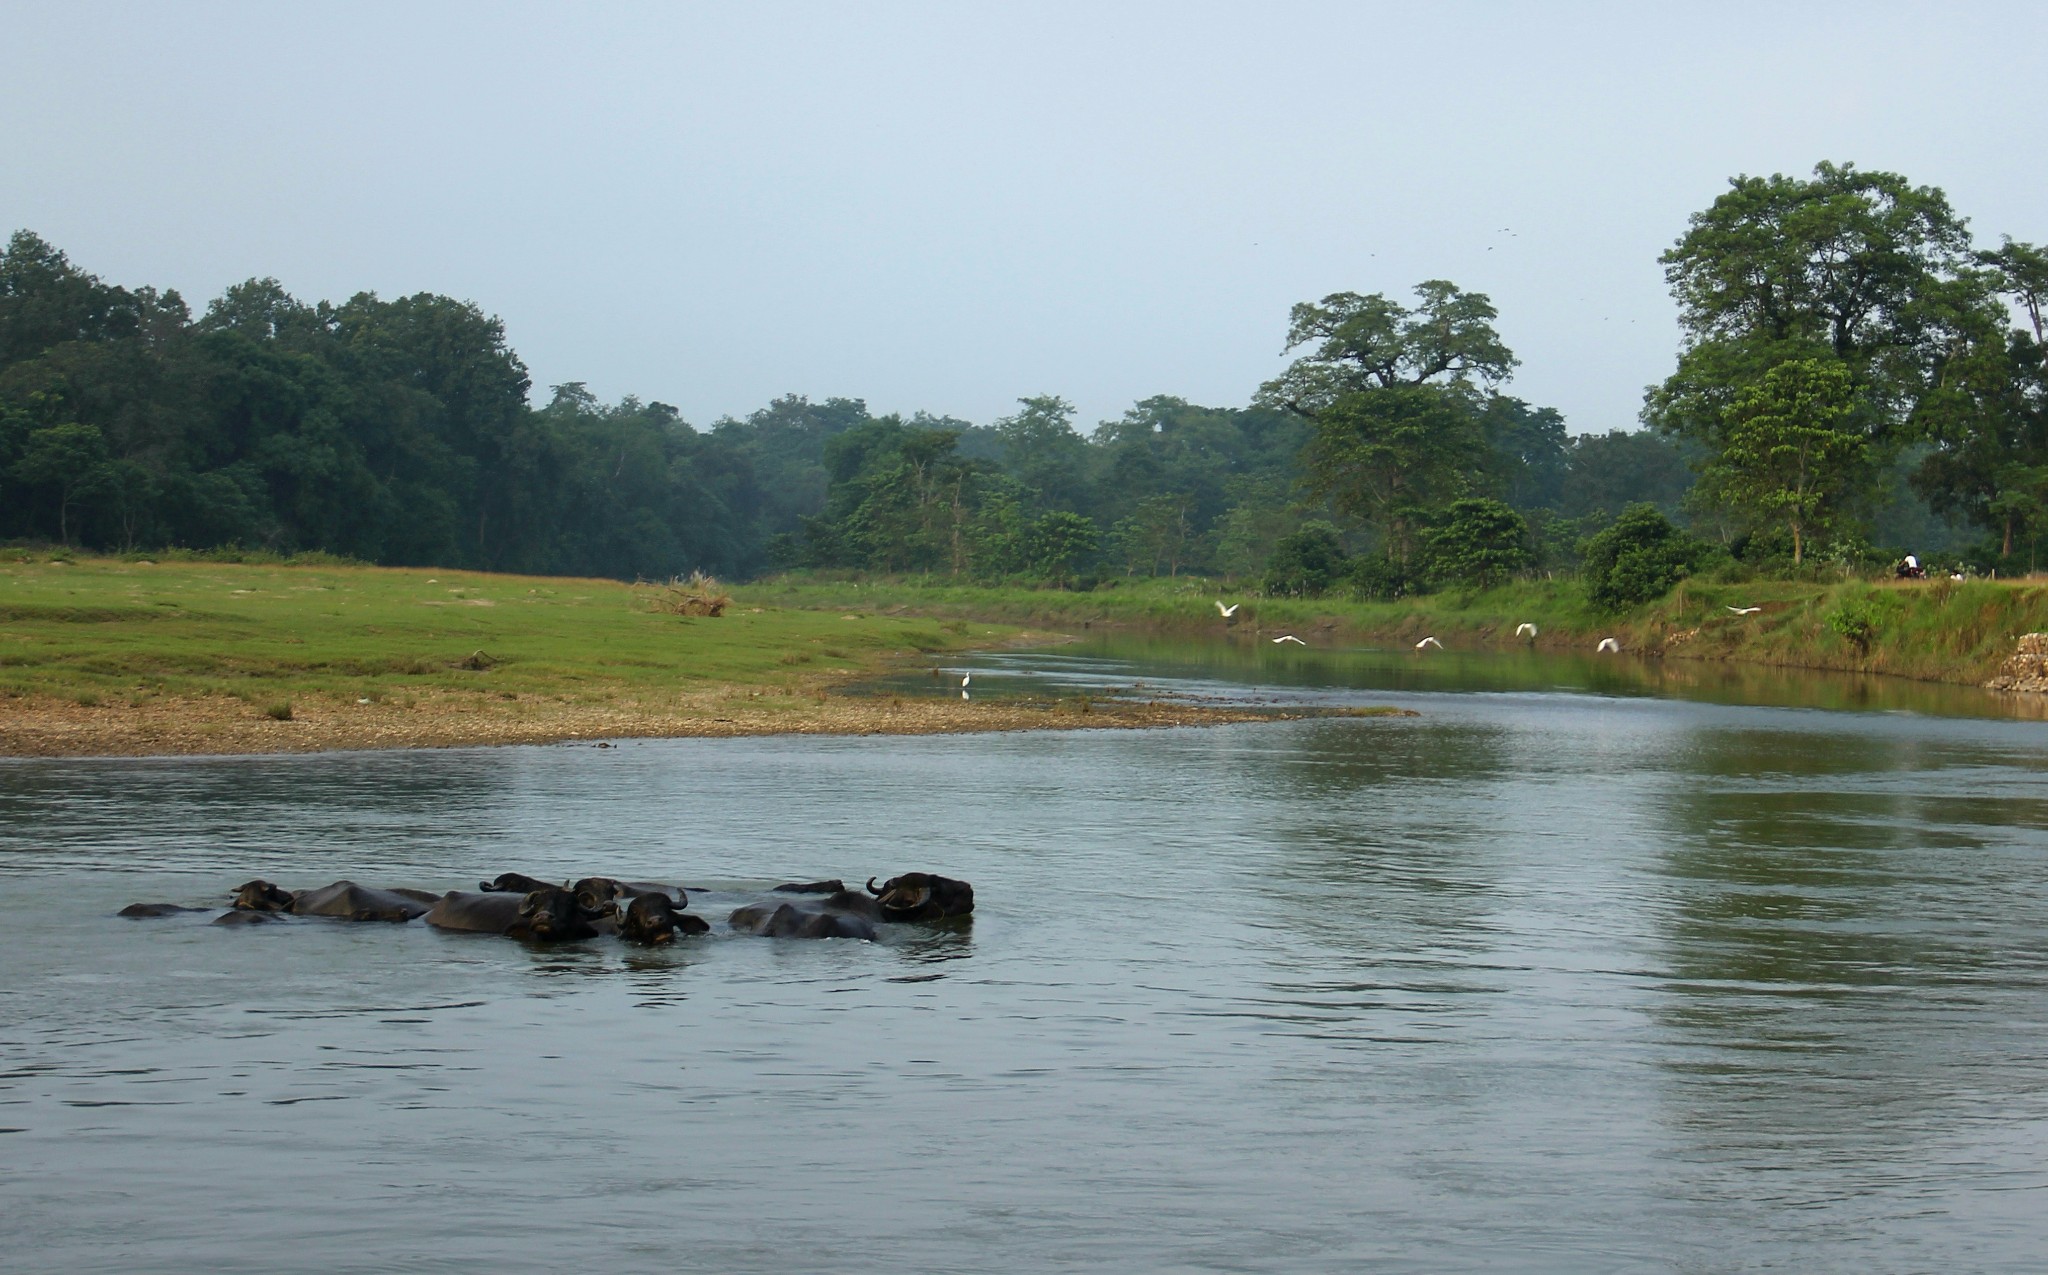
[(1288, 637), (1428, 642), (1745, 610), (1525, 629), (1610, 646), (1227, 611)]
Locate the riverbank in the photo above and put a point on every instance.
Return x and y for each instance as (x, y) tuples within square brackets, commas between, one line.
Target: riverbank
[(103, 657), (1959, 632)]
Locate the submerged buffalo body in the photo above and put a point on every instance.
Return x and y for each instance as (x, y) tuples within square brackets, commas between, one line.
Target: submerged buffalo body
[(839, 915), (157, 909), (492, 913), (788, 921), (920, 896), (352, 902)]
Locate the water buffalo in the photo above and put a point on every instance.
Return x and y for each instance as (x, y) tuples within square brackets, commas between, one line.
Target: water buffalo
[(552, 915), (261, 896), (652, 918), (548, 914), (834, 886), (601, 896), (344, 899), (920, 896), (513, 883)]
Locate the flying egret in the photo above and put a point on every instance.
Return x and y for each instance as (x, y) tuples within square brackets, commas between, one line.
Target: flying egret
[(1428, 642), (1525, 629), (1745, 610), (1227, 611), (1610, 646), (1288, 637)]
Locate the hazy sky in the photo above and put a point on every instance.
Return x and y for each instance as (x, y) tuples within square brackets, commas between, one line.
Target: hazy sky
[(949, 206)]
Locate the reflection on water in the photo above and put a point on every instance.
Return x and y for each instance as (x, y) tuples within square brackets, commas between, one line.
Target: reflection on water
[(1544, 980)]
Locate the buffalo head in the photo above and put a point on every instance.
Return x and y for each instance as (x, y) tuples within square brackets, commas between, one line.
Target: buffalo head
[(653, 918), (920, 896), (599, 896), (512, 883)]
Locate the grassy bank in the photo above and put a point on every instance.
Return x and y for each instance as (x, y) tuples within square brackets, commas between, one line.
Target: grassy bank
[(104, 656), (1936, 630)]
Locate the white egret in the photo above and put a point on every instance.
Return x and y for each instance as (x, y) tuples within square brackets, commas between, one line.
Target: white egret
[(1525, 629), (1288, 637), (1610, 646), (1744, 610), (1428, 642), (1227, 611)]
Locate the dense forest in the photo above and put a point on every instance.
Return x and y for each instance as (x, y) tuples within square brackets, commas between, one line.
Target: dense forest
[(1855, 377)]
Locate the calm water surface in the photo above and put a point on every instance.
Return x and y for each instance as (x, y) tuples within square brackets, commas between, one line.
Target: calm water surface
[(1584, 969)]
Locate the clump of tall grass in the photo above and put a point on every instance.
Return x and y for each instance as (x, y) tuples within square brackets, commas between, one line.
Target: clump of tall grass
[(695, 594)]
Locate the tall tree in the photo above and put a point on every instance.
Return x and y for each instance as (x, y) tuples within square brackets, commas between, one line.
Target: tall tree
[(1986, 419), (1862, 269), (1789, 449), (1394, 395), (1042, 451)]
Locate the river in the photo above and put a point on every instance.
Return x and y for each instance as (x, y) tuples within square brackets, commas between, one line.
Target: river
[(1588, 967)]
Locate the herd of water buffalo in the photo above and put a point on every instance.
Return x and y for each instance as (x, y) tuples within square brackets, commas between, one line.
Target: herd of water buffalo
[(524, 907)]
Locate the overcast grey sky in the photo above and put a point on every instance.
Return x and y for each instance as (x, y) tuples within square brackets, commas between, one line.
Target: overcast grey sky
[(947, 206)]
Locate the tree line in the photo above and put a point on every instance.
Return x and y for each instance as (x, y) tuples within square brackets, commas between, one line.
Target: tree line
[(1854, 376), (402, 432)]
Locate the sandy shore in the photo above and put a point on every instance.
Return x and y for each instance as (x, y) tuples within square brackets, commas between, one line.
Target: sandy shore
[(174, 727)]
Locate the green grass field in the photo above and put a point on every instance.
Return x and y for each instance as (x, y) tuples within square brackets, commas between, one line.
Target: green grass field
[(96, 629)]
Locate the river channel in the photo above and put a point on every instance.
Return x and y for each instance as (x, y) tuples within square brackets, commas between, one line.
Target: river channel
[(1590, 966)]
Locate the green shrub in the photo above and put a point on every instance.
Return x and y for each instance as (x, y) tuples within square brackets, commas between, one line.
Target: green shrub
[(1639, 559), (1481, 542), (1377, 577), (1306, 563)]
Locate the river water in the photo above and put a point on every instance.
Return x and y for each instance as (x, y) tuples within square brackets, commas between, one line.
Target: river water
[(1589, 967)]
